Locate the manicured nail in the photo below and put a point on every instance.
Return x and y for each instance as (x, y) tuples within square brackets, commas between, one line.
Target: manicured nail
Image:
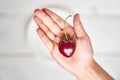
[(78, 14), (36, 11), (43, 9)]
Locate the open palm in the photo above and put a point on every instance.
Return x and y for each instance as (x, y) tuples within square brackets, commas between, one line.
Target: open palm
[(51, 32)]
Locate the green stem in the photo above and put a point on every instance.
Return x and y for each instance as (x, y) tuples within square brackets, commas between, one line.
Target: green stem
[(65, 27)]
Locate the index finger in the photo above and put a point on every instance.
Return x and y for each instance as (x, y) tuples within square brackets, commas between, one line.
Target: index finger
[(48, 21), (56, 18)]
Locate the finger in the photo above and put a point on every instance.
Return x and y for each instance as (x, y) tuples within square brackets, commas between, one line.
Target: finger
[(45, 39), (79, 30), (44, 28), (48, 21), (56, 18)]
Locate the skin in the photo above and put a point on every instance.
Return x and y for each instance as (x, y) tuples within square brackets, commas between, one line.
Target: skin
[(81, 64)]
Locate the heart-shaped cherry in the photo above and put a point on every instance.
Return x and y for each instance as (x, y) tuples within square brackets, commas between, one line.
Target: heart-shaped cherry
[(67, 46)]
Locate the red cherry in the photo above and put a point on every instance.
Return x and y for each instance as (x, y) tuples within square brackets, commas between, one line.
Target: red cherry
[(67, 47)]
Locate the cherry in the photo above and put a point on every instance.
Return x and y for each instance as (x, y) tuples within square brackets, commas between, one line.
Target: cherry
[(67, 46)]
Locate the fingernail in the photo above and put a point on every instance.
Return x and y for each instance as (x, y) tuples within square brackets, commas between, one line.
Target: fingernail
[(78, 14), (36, 11), (44, 9)]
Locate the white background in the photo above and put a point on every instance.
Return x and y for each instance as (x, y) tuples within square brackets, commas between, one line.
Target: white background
[(18, 61)]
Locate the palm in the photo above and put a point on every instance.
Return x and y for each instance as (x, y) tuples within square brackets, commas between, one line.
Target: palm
[(77, 58), (51, 35)]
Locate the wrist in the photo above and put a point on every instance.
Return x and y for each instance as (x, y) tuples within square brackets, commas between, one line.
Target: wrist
[(91, 71), (82, 72)]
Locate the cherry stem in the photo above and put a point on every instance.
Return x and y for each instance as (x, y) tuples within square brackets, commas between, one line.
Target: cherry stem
[(65, 27)]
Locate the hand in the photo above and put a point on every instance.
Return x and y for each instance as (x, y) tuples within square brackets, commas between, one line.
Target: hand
[(50, 30)]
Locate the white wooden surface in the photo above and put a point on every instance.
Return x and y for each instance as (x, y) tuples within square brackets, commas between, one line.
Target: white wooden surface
[(28, 68), (101, 19)]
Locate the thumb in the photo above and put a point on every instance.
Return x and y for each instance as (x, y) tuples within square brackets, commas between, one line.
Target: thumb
[(78, 28)]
